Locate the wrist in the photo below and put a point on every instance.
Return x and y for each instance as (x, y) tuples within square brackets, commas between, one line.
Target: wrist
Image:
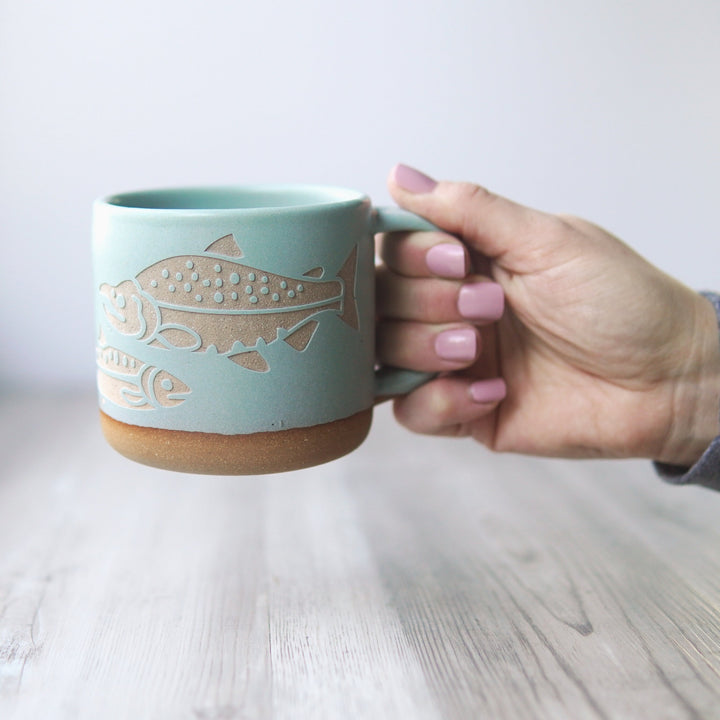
[(694, 422)]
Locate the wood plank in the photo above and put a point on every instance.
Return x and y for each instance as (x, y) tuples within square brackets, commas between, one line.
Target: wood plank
[(415, 578), (569, 608)]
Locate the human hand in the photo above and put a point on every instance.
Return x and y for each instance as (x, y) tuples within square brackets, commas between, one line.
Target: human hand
[(597, 353)]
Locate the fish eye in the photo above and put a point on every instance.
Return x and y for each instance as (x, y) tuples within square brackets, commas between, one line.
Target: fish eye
[(166, 384)]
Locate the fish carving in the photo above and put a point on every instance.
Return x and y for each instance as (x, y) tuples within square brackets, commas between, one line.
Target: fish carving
[(130, 383), (212, 302)]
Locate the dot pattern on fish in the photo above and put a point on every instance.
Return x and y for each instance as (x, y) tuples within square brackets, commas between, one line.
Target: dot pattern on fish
[(198, 302), (219, 286)]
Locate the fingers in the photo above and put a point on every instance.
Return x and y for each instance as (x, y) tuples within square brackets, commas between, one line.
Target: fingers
[(453, 406), (432, 300), (428, 348), (406, 289), (425, 253), (489, 224), (437, 313)]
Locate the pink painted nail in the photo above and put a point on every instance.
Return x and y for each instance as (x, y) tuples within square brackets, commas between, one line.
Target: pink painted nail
[(488, 391), (457, 345), (413, 180), (447, 260), (481, 301)]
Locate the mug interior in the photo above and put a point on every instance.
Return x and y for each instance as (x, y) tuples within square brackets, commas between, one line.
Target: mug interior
[(235, 198)]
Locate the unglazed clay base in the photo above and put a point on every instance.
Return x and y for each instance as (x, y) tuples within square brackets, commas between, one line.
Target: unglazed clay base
[(253, 454)]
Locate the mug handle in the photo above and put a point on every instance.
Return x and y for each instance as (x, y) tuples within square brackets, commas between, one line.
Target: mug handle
[(392, 381)]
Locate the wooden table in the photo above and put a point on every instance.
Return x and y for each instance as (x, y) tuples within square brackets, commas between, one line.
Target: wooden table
[(416, 578)]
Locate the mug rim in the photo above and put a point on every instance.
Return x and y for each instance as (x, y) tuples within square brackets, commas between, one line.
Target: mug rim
[(218, 199)]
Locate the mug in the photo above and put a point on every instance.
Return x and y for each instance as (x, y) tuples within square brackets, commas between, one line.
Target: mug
[(236, 325)]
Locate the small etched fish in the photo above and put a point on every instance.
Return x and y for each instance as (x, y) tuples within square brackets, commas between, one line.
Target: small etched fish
[(130, 383), (199, 302)]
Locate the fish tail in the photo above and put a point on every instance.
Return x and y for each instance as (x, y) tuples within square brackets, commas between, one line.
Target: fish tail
[(347, 274)]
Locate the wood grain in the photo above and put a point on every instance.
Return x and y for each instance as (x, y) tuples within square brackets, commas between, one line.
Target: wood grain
[(415, 578)]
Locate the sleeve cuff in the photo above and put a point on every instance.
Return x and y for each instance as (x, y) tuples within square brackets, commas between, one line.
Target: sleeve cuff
[(706, 471)]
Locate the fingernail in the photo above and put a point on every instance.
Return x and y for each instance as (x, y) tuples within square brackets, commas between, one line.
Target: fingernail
[(413, 180), (447, 260), (481, 301), (458, 345), (488, 391)]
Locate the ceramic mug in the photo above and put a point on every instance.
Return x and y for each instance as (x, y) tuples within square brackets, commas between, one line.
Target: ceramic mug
[(236, 325)]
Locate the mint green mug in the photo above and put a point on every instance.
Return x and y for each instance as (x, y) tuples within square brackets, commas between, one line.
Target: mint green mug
[(236, 325)]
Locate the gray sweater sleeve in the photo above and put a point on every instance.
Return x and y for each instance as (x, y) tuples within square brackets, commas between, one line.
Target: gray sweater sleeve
[(706, 471)]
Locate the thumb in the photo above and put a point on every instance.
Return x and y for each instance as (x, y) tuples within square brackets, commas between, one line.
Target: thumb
[(490, 224)]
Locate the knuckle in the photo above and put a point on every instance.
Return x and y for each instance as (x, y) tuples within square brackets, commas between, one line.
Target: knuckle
[(471, 196), (472, 200), (426, 410), (440, 406), (435, 302)]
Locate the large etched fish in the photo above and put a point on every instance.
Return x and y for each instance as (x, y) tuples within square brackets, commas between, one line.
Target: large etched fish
[(130, 383), (198, 302)]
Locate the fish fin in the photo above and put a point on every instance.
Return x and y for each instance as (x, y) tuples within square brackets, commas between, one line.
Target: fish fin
[(134, 398), (177, 336), (300, 338), (317, 272), (251, 360), (227, 246), (348, 274)]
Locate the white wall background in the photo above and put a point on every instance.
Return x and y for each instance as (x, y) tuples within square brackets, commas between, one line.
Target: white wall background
[(605, 108)]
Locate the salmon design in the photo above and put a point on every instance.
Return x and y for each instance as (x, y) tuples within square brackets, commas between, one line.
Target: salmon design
[(128, 382), (212, 302)]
